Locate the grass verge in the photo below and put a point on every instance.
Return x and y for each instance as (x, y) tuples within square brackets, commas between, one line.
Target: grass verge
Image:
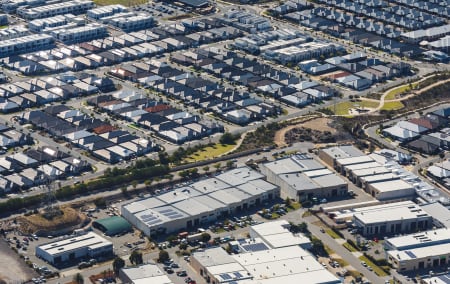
[(209, 152), (392, 94), (378, 271), (394, 105), (349, 247), (332, 234)]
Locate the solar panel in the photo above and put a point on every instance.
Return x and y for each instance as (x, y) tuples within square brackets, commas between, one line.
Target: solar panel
[(177, 216), (444, 278), (225, 276), (149, 218), (153, 222), (410, 254), (166, 210), (238, 274), (255, 247)]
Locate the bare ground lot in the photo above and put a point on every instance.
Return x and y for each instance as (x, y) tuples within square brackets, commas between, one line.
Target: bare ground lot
[(12, 268), (318, 125)]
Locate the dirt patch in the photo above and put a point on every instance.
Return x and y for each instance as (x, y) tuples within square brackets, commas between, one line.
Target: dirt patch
[(68, 218), (321, 124), (12, 268), (319, 130)]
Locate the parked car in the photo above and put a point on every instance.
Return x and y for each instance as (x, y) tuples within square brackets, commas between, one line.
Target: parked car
[(363, 263)]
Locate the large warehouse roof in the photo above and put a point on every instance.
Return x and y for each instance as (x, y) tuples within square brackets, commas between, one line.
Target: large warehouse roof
[(90, 240), (113, 225), (200, 200)]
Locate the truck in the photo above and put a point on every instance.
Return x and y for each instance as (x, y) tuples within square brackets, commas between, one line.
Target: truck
[(194, 238)]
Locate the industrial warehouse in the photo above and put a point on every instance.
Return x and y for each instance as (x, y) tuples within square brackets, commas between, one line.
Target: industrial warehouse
[(420, 250), (70, 250), (200, 202), (301, 178), (261, 262)]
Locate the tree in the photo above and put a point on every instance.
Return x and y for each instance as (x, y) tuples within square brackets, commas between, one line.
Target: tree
[(117, 264), (163, 157), (287, 202), (100, 202), (183, 246), (206, 169), (193, 171), (148, 182), (136, 257), (78, 278), (217, 166), (163, 256), (124, 190), (317, 245), (134, 183), (227, 138), (206, 237), (230, 164)]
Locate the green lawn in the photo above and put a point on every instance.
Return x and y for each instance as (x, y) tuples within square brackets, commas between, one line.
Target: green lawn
[(306, 214), (349, 247), (295, 205), (275, 216), (122, 2), (344, 107), (209, 152), (396, 91), (380, 272), (395, 105), (333, 234)]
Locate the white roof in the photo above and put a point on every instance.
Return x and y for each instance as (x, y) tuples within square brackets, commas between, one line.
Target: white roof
[(213, 257), (420, 253), (278, 262), (389, 212), (229, 196), (422, 239), (441, 279), (439, 212), (293, 164), (311, 277), (89, 240), (367, 165), (209, 185), (147, 273), (276, 234), (239, 176), (354, 160), (391, 185), (370, 171), (411, 126), (257, 187), (270, 228)]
